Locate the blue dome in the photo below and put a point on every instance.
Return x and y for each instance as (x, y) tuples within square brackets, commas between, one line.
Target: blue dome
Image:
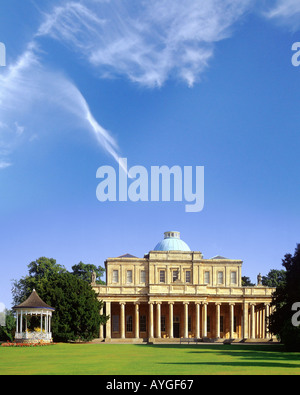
[(172, 242)]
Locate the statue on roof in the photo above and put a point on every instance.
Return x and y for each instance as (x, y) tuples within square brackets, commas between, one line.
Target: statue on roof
[(94, 276)]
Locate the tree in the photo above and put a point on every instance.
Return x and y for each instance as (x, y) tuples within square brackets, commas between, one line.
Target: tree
[(275, 278), (39, 272), (7, 332), (76, 306), (287, 293), (246, 282), (84, 271)]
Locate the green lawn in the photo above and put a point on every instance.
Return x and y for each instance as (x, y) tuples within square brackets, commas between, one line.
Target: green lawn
[(125, 359)]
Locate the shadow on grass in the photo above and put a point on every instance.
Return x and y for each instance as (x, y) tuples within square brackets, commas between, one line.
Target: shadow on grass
[(260, 356)]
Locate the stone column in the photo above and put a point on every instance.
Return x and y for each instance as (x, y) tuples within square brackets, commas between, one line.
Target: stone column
[(158, 319), (204, 319), (231, 305), (186, 318), (171, 334), (218, 319), (108, 323), (122, 319), (151, 326), (137, 321), (197, 320)]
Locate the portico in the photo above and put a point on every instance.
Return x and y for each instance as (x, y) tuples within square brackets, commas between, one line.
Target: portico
[(173, 294)]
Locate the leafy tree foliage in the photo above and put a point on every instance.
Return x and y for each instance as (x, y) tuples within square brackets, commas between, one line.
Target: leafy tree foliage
[(39, 271), (76, 306), (84, 271), (287, 293), (275, 278), (246, 282), (7, 332)]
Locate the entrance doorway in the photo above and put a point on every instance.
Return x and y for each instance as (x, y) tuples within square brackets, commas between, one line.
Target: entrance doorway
[(176, 327)]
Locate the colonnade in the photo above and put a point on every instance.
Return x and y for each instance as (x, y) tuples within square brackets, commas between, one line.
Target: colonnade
[(199, 319)]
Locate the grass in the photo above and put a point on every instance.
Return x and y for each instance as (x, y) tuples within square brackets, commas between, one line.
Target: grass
[(125, 359)]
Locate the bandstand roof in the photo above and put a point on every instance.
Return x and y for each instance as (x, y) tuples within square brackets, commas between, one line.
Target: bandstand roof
[(33, 302)]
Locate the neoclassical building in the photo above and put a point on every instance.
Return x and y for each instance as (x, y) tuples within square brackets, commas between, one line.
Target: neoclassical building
[(173, 292)]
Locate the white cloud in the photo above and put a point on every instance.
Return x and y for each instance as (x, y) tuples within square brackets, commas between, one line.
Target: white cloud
[(4, 165), (149, 42), (285, 12), (30, 93)]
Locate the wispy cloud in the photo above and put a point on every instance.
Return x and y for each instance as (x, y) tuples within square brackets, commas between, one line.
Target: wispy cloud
[(150, 42), (30, 93), (146, 41), (285, 12), (4, 165)]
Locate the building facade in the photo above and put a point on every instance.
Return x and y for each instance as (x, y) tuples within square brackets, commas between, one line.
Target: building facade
[(173, 292)]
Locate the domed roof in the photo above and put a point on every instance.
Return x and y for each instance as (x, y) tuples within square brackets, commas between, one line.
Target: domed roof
[(172, 242)]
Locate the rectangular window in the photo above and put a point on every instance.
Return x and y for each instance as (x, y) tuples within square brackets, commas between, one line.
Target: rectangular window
[(208, 323), (115, 323), (233, 278), (129, 277), (115, 276), (220, 278), (162, 276), (129, 323), (143, 276), (190, 323), (234, 324), (206, 277), (143, 323), (188, 276), (175, 275), (163, 323)]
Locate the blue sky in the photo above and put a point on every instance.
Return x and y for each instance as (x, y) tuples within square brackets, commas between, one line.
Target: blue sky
[(196, 83)]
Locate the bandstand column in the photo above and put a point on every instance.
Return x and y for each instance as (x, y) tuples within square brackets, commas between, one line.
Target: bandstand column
[(17, 322)]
